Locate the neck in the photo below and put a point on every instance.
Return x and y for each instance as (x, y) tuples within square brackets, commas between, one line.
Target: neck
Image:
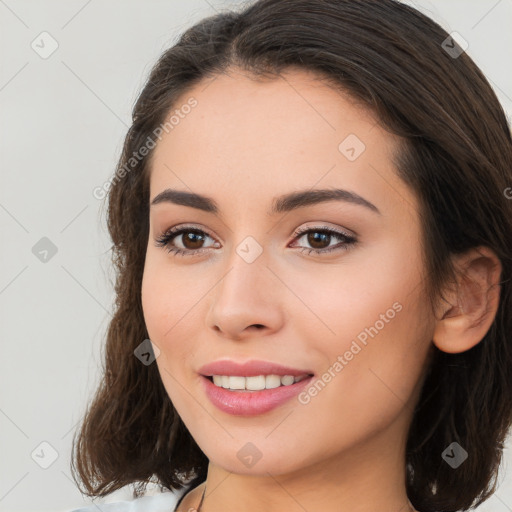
[(367, 478)]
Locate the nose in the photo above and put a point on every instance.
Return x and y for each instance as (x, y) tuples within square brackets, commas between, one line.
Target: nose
[(247, 301)]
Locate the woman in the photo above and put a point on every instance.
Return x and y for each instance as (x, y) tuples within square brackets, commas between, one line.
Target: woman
[(312, 234)]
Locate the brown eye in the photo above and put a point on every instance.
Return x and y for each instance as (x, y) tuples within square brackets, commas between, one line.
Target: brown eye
[(189, 241), (192, 239), (320, 240)]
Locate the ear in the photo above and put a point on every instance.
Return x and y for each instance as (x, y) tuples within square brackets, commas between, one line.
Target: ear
[(472, 305)]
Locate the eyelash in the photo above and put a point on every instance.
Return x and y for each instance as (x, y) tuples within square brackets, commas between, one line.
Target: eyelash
[(170, 234)]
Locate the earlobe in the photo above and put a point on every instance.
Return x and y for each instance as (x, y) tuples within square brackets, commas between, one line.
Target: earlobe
[(472, 304)]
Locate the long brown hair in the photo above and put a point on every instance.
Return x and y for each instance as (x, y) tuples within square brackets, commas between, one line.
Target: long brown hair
[(456, 155)]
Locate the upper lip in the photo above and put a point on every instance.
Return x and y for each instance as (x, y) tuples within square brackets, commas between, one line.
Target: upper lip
[(249, 369)]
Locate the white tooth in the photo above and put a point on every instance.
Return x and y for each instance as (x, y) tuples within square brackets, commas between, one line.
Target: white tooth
[(286, 380), (272, 381), (237, 382), (255, 383)]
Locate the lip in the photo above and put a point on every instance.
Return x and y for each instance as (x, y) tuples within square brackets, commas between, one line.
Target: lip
[(251, 403), (249, 369)]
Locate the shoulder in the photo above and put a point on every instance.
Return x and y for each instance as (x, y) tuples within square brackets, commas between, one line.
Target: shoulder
[(163, 502)]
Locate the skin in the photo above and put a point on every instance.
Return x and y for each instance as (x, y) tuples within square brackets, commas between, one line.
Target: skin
[(245, 143)]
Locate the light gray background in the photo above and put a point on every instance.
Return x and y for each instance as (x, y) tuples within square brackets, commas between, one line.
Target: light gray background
[(63, 120)]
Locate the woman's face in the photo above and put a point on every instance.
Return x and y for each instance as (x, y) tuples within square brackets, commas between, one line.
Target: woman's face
[(347, 307)]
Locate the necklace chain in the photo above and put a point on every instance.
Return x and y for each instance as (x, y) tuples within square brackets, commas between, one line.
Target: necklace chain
[(201, 502)]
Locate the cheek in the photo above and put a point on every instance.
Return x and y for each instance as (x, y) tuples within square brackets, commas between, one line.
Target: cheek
[(171, 304), (166, 319), (166, 295), (372, 383), (383, 362), (365, 292), (374, 319), (151, 298), (159, 304)]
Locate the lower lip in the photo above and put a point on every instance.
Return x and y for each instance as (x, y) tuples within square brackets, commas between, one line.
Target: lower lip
[(250, 403)]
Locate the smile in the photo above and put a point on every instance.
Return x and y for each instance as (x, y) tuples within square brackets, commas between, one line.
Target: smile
[(248, 402), (255, 383)]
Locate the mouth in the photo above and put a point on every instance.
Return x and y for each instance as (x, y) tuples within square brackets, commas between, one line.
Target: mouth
[(256, 382), (251, 387), (226, 395)]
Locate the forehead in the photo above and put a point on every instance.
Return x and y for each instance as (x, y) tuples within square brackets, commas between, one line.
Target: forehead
[(263, 137)]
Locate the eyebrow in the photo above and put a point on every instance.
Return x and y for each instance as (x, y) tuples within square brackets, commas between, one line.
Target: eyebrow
[(281, 204)]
